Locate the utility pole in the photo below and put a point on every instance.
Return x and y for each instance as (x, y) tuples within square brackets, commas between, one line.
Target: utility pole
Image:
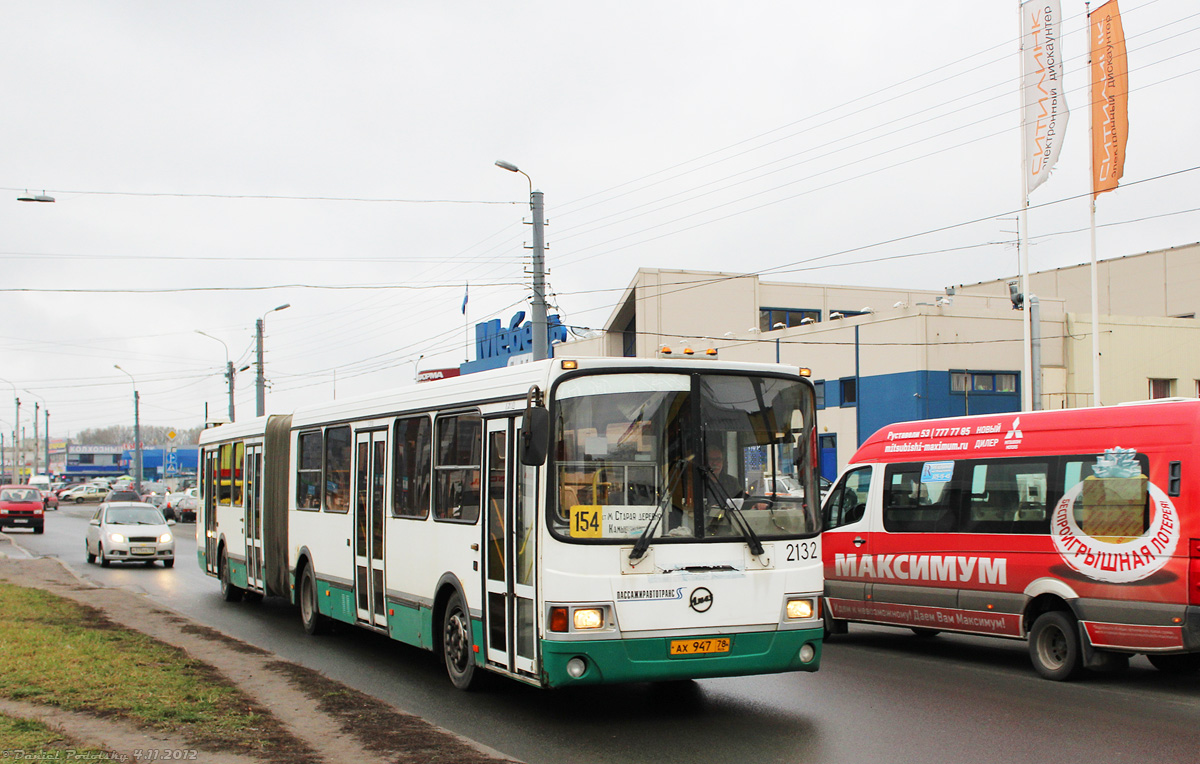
[(260, 378), (260, 381), (541, 340), (36, 411), (137, 442)]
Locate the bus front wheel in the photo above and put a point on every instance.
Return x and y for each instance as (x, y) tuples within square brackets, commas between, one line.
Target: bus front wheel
[(1054, 646), (456, 643)]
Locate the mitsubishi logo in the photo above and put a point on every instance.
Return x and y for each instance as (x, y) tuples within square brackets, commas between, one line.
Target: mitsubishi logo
[(700, 600)]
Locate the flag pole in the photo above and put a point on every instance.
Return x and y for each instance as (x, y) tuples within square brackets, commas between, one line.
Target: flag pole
[(1022, 230), (1096, 400)]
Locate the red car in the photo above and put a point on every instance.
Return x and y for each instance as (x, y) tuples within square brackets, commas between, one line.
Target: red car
[(49, 500), (21, 507)]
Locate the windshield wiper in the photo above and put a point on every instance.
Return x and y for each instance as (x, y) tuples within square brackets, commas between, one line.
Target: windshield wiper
[(643, 542), (756, 547)]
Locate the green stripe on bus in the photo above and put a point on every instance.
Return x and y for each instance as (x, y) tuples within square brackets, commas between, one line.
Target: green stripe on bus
[(648, 660)]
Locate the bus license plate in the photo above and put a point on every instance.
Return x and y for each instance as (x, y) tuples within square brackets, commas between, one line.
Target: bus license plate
[(699, 646)]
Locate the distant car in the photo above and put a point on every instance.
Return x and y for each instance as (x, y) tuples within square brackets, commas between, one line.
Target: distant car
[(128, 531), (21, 507), (81, 493), (49, 500), (186, 508), (785, 485), (123, 494)]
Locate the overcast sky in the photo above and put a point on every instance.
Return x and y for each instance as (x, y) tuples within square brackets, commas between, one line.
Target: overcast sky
[(213, 160)]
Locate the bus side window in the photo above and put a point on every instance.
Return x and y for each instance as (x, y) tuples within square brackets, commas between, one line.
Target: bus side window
[(458, 468), (308, 471), (847, 502)]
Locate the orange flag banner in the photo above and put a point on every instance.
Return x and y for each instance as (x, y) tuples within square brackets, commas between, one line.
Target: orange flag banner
[(1110, 97)]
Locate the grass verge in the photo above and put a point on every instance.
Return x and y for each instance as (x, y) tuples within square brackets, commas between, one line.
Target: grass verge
[(61, 653), (24, 738)]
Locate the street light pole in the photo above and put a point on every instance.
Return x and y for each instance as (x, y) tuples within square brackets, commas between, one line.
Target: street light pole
[(541, 335), (16, 434), (46, 408), (228, 369), (261, 380), (137, 432)]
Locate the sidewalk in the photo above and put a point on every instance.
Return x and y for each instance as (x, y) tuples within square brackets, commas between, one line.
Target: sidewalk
[(359, 729)]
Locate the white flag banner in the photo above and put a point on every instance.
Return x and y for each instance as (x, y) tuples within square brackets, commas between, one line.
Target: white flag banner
[(1044, 101)]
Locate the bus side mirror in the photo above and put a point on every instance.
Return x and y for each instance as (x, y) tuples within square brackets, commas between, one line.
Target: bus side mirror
[(535, 436)]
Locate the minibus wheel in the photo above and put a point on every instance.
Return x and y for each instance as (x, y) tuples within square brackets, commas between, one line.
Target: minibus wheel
[(1054, 646), (1179, 663), (924, 633)]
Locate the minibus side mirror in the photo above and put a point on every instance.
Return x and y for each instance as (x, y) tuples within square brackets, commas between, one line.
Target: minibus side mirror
[(535, 436)]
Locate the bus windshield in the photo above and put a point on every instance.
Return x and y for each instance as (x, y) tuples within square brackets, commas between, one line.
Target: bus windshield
[(683, 457)]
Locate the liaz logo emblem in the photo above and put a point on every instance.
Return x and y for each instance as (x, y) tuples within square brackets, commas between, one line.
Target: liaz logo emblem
[(701, 599)]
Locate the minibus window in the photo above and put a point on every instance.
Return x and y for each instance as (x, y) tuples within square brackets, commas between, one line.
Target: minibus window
[(1008, 496), (919, 498), (847, 503)]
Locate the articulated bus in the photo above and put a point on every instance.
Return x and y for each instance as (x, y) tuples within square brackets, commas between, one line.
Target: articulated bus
[(561, 522), (1077, 530)]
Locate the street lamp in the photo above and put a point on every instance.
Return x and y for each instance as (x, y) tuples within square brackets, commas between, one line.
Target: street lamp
[(261, 381), (537, 204), (137, 433), (28, 197), (228, 369), (46, 435), (16, 434)]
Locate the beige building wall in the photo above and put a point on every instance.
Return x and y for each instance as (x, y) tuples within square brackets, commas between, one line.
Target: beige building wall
[(1163, 283), (974, 329)]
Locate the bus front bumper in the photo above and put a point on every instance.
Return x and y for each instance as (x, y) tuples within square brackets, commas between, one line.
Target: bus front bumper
[(650, 660)]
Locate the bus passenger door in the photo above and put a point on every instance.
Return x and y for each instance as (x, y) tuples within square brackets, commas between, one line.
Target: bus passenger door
[(510, 610), (208, 493), (253, 507), (370, 460)]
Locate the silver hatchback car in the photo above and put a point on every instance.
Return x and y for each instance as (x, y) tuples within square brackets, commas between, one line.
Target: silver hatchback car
[(129, 531)]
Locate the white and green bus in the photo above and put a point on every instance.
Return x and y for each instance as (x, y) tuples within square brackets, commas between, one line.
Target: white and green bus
[(563, 522)]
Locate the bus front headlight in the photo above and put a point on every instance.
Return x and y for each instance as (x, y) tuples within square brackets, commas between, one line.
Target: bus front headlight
[(800, 609), (589, 618)]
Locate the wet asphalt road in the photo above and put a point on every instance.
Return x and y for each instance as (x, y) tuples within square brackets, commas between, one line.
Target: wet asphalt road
[(882, 695)]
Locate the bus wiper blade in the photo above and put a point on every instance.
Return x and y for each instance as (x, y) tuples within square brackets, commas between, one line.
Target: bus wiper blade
[(643, 542), (752, 541)]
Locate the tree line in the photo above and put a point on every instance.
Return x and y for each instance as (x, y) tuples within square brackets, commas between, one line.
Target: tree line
[(152, 435)]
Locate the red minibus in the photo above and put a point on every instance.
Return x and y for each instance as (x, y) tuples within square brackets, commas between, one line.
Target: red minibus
[(1073, 529)]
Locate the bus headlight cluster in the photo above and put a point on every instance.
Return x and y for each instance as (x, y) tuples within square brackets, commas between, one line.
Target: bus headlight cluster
[(589, 618), (807, 653), (800, 608)]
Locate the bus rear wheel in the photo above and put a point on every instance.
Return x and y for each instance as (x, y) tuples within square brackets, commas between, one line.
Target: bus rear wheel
[(1054, 646), (456, 643), (229, 592), (310, 615)]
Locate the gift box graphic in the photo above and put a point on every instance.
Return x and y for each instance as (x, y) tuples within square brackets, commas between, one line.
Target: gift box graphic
[(1114, 499)]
